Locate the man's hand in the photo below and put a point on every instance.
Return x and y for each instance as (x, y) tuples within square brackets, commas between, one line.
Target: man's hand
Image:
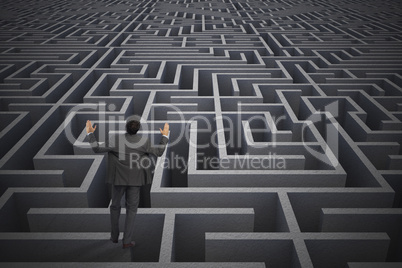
[(165, 130), (91, 129)]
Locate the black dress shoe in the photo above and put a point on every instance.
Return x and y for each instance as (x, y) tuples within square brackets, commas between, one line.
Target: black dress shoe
[(114, 241)]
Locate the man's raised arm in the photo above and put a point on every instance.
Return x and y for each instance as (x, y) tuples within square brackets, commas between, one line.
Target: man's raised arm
[(160, 148), (92, 139)]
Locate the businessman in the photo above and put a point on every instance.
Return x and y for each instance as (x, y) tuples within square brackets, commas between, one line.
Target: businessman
[(127, 173)]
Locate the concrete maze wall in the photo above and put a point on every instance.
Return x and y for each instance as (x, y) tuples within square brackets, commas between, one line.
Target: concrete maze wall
[(313, 88)]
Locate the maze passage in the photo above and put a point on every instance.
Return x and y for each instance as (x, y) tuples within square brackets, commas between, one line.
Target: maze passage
[(285, 147)]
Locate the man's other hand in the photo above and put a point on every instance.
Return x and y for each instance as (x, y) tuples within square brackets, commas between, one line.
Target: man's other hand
[(165, 130), (91, 129)]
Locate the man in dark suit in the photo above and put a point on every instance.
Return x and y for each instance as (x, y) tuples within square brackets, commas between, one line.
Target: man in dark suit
[(128, 164)]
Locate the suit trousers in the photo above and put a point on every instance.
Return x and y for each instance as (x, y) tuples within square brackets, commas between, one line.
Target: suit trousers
[(132, 202)]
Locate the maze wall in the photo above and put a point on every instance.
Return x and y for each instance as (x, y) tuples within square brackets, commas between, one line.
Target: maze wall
[(286, 133)]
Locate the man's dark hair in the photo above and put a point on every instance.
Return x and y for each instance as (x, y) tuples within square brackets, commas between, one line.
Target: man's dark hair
[(133, 126)]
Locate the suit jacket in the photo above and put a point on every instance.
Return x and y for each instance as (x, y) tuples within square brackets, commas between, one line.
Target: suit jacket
[(128, 159)]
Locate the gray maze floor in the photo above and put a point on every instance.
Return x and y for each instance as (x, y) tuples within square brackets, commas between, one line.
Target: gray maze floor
[(286, 133)]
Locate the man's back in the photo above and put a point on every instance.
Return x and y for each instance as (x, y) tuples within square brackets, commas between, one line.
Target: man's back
[(128, 158)]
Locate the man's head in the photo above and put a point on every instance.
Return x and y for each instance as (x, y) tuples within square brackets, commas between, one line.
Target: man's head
[(133, 126)]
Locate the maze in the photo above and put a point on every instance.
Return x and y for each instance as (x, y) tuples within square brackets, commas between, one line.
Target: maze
[(286, 131)]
